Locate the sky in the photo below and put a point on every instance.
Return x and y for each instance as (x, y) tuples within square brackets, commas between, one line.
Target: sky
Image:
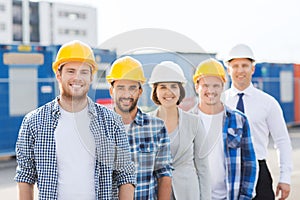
[(270, 27)]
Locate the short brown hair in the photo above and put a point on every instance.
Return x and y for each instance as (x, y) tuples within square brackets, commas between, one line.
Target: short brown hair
[(154, 94)]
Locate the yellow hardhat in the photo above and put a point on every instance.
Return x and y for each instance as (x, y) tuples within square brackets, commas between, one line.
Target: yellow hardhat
[(210, 67), (126, 68), (75, 51)]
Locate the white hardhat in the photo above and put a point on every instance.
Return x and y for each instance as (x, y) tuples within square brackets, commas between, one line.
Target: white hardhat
[(167, 71), (240, 51)]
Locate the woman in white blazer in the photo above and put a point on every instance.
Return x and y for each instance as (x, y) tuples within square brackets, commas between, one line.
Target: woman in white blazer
[(191, 176)]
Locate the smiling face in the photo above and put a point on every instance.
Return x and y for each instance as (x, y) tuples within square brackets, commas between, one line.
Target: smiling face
[(168, 93), (241, 70), (74, 80), (209, 89), (125, 94)]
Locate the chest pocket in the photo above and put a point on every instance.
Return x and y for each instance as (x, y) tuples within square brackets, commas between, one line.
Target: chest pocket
[(147, 148), (147, 155), (234, 137)]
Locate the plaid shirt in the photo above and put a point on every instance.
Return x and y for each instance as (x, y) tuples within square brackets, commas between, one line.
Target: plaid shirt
[(36, 151), (240, 159), (150, 148)]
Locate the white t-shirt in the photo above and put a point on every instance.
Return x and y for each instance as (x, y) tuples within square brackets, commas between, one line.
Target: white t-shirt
[(213, 125), (127, 126), (75, 150)]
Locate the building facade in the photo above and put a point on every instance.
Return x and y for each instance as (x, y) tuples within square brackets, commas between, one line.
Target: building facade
[(49, 22)]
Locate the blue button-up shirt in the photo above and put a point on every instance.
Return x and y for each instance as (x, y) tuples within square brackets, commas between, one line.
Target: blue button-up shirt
[(150, 148), (36, 151), (240, 159)]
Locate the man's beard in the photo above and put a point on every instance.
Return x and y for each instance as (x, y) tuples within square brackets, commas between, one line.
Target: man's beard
[(131, 108), (74, 98)]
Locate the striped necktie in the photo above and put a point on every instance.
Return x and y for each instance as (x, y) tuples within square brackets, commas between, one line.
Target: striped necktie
[(240, 104)]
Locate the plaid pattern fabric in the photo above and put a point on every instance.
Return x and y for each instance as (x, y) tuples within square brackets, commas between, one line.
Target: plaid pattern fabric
[(36, 151), (241, 165), (150, 148)]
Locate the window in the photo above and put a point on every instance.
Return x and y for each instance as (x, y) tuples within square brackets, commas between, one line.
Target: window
[(17, 13), (76, 32), (22, 90), (286, 86), (100, 78), (17, 32), (72, 15), (2, 7), (2, 27)]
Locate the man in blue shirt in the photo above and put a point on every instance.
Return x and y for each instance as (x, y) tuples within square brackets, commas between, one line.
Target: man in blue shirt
[(148, 138), (71, 147), (231, 156)]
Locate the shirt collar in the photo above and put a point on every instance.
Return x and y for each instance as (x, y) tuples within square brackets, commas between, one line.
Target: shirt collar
[(91, 107), (140, 118), (247, 91), (55, 110)]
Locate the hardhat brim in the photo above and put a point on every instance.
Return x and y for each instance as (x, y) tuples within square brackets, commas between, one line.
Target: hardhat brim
[(56, 65), (110, 79)]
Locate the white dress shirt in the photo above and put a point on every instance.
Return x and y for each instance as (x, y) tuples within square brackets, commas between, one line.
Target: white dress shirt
[(265, 117)]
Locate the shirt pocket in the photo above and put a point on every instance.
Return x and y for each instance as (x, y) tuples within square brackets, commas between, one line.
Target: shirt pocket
[(234, 137), (146, 155), (147, 147)]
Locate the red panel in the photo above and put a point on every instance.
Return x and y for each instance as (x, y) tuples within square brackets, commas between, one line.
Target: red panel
[(297, 91), (106, 102)]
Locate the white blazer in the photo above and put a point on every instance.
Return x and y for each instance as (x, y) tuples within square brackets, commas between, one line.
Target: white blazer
[(191, 176)]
